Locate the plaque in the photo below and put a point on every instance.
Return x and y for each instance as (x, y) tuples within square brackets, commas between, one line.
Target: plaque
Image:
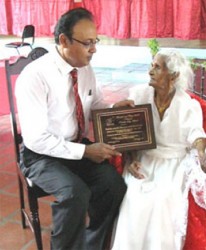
[(126, 128)]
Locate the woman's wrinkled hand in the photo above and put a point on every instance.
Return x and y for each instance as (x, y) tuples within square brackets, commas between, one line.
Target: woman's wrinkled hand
[(135, 169)]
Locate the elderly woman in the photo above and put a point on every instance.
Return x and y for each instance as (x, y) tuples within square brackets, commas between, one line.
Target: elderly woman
[(153, 215)]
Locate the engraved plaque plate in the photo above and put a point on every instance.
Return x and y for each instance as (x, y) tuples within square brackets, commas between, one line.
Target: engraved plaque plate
[(127, 128)]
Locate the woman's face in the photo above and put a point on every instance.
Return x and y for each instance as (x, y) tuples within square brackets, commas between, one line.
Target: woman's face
[(160, 78)]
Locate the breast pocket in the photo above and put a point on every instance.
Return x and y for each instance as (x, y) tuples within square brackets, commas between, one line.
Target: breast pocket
[(87, 106)]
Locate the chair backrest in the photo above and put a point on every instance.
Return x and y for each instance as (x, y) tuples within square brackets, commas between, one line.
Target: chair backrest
[(29, 31), (12, 71), (203, 106)]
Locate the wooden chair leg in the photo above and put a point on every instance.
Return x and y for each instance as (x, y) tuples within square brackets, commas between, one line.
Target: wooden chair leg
[(33, 203), (22, 203), (37, 231)]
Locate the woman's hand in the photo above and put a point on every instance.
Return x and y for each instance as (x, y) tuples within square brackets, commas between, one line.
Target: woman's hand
[(135, 168), (200, 145)]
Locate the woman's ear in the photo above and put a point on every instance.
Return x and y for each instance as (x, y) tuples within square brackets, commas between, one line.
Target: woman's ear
[(175, 75)]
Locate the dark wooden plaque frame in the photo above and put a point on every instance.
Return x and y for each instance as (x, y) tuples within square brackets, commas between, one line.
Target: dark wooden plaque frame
[(126, 128)]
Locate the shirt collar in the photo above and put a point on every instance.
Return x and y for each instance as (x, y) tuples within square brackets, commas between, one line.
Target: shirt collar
[(63, 66)]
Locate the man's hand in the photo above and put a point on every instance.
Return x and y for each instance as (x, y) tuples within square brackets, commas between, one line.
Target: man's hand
[(129, 103), (98, 152)]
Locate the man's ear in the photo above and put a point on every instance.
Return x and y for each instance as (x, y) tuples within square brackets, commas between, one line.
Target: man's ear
[(63, 40)]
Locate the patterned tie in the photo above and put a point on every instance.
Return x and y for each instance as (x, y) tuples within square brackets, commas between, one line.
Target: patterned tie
[(79, 108)]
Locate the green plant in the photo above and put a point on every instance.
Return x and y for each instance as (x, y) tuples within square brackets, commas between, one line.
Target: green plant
[(154, 46)]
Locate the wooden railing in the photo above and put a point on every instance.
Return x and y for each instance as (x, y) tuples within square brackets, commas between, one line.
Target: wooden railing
[(199, 87)]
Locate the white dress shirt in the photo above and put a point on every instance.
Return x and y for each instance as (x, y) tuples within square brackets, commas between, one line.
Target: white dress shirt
[(46, 105)]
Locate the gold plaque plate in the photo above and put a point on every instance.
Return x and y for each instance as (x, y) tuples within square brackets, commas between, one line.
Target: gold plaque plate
[(126, 128)]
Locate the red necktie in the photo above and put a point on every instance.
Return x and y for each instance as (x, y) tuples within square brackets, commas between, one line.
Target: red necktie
[(79, 108)]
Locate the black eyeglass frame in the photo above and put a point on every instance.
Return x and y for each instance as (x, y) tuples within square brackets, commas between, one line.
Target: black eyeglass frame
[(87, 44)]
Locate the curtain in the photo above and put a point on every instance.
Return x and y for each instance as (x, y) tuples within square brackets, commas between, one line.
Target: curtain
[(43, 14), (151, 18), (112, 17), (185, 19), (182, 19), (203, 19)]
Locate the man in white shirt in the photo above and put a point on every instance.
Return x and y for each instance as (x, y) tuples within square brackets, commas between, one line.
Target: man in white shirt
[(76, 173)]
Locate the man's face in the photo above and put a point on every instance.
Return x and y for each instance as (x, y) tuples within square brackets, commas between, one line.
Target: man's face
[(79, 51)]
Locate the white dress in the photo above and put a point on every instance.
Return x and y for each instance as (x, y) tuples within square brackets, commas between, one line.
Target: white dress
[(153, 213)]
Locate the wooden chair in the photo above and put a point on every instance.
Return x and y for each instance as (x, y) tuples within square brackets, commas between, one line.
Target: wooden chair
[(28, 32), (29, 215)]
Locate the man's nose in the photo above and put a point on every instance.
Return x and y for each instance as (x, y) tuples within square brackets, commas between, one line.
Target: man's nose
[(93, 48)]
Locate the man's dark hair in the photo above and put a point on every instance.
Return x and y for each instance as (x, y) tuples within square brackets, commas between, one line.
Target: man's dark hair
[(68, 20)]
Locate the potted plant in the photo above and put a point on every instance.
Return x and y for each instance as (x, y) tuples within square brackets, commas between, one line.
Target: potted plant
[(153, 44)]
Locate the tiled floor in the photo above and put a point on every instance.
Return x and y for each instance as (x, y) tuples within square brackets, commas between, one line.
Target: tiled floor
[(120, 76), (13, 237)]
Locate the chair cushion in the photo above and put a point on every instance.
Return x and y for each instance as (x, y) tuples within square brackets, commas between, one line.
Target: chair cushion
[(17, 44), (203, 106), (14, 44), (196, 231)]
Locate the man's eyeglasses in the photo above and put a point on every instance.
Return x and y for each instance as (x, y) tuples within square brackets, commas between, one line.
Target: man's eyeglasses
[(87, 45)]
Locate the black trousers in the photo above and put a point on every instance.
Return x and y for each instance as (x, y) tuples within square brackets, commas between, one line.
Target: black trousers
[(79, 186)]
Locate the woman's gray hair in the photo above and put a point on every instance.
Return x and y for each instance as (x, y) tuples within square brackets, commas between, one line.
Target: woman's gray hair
[(178, 63)]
